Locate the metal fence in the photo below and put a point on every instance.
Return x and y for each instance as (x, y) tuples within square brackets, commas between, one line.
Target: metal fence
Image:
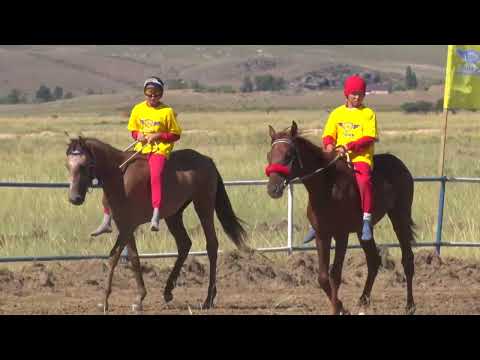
[(289, 248)]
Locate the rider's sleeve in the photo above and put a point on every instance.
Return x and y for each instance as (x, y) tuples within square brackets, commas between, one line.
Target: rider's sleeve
[(370, 125), (133, 123), (330, 132), (169, 137), (172, 123), (328, 140), (361, 144)]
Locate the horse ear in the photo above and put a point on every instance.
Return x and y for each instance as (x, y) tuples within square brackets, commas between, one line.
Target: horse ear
[(294, 129), (272, 131)]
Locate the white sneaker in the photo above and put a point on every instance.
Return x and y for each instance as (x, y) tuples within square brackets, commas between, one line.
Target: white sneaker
[(155, 222)]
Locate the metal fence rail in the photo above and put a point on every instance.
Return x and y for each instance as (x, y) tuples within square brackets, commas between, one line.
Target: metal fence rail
[(289, 248)]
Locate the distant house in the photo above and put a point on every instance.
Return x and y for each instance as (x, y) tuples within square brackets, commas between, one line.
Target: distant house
[(378, 89)]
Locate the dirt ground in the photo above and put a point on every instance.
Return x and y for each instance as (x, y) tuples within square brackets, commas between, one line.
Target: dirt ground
[(247, 284)]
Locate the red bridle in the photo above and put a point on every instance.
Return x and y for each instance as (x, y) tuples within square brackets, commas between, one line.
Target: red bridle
[(275, 167)]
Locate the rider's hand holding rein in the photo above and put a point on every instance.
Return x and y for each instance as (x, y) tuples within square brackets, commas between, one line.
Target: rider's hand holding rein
[(142, 138)]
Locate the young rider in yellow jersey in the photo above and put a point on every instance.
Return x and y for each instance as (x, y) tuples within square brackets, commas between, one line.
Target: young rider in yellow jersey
[(353, 127), (154, 125)]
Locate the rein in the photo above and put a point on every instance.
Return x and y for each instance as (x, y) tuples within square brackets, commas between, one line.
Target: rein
[(285, 170), (317, 171)]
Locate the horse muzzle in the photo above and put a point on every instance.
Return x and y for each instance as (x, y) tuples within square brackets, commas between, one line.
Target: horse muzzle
[(76, 199), (275, 190)]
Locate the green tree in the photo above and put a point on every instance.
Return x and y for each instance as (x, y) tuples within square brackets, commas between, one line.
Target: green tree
[(14, 97), (247, 85), (269, 83), (43, 94), (58, 92), (410, 79)]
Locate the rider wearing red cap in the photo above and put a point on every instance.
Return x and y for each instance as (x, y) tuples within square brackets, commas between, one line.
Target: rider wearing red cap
[(353, 127)]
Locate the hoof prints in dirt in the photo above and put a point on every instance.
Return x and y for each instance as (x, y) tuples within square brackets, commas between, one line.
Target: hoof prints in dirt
[(237, 269)]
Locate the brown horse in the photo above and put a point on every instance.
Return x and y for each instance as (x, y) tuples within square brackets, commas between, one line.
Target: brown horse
[(334, 206), (188, 177)]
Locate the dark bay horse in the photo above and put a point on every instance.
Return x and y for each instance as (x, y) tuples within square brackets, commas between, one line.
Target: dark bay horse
[(188, 177), (334, 206)]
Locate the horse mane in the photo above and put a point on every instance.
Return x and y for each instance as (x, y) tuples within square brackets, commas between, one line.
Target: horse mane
[(317, 151), (76, 142)]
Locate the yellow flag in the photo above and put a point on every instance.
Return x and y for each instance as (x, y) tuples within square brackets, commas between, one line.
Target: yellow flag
[(462, 79)]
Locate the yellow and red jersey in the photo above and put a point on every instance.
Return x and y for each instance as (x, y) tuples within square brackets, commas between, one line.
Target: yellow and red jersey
[(352, 128), (149, 120)]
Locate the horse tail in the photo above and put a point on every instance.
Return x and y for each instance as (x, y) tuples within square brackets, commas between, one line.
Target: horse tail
[(230, 222)]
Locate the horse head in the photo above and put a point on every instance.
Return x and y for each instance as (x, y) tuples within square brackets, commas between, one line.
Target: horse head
[(283, 160), (81, 167), (291, 157)]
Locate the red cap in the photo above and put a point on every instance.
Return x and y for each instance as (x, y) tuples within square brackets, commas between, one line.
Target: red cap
[(354, 83)]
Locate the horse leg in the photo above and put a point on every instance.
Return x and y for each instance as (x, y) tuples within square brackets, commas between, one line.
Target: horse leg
[(336, 272), (323, 251), (112, 262), (205, 210), (137, 270), (177, 228), (373, 263), (404, 232)]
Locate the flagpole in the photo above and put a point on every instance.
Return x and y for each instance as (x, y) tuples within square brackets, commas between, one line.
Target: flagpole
[(443, 145)]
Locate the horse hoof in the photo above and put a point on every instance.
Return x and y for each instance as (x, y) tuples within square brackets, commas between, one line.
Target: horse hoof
[(207, 305), (364, 301), (410, 309), (137, 308), (102, 307), (168, 297), (344, 312)]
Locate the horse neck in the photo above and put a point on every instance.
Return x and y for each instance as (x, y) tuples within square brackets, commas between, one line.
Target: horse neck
[(313, 158), (107, 158)]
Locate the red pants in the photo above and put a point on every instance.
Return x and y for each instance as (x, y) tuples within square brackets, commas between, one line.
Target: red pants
[(363, 175), (157, 164)]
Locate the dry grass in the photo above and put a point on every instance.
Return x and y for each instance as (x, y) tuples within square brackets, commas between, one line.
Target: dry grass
[(42, 222)]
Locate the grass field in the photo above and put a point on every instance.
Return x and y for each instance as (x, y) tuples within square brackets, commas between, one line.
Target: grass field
[(42, 221)]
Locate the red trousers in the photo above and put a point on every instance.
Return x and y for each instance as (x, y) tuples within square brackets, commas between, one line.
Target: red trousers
[(157, 164), (363, 175)]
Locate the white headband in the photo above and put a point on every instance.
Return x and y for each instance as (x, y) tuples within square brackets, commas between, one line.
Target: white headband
[(153, 81)]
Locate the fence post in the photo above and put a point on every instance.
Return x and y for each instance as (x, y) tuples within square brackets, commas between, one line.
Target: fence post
[(290, 218), (441, 203)]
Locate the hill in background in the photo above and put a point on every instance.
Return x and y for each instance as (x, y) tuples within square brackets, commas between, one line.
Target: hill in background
[(118, 68)]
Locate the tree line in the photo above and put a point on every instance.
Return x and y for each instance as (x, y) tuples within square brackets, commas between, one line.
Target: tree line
[(42, 94)]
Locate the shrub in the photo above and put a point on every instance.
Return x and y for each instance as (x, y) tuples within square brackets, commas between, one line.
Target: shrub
[(418, 106), (43, 94)]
